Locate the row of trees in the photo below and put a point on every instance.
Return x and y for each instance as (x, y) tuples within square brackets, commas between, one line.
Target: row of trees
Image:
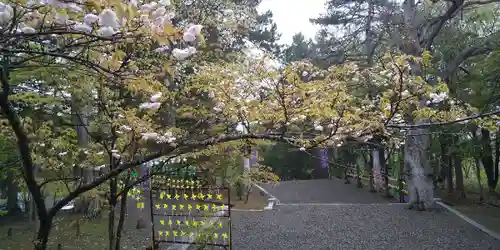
[(458, 37), (92, 90)]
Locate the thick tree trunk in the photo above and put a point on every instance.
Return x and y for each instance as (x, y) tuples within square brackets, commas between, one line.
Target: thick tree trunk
[(487, 159), (371, 181), (377, 168), (420, 186), (386, 173)]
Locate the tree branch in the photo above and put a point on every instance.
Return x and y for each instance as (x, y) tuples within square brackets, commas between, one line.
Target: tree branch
[(487, 45), (472, 117), (187, 146)]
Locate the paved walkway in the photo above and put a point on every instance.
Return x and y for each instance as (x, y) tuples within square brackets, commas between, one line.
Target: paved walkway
[(322, 191), (354, 219)]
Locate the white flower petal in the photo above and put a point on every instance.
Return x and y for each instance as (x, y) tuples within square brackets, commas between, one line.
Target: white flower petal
[(106, 32), (82, 27), (108, 18), (156, 96), (165, 3), (90, 18)]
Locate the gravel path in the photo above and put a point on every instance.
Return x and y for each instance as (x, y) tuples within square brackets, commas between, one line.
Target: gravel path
[(322, 191), (353, 227), (355, 219)]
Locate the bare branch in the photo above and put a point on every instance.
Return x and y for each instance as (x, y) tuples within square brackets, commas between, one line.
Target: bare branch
[(472, 117)]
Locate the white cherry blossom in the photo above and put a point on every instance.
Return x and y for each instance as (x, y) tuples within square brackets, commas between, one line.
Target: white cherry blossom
[(159, 12), (162, 49), (438, 97), (90, 18), (108, 18), (82, 27), (106, 32), (165, 3), (6, 13), (182, 54), (28, 30), (192, 33), (150, 105), (155, 97), (149, 136)]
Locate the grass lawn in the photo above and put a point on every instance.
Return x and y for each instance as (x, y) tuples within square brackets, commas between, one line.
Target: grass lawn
[(93, 234)]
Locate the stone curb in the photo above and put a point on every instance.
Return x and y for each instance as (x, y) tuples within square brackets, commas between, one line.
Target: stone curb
[(272, 201)]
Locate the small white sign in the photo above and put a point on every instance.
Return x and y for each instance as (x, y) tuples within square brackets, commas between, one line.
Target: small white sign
[(246, 163)]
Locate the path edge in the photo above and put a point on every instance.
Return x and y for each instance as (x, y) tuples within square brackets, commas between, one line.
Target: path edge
[(469, 220), (273, 201)]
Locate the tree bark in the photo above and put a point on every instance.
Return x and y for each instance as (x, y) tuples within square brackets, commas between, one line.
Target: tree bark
[(377, 169), (449, 172), (487, 159), (386, 172), (420, 186), (43, 233), (121, 221), (371, 181), (113, 190), (478, 177), (459, 175), (27, 161), (111, 226), (358, 163)]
